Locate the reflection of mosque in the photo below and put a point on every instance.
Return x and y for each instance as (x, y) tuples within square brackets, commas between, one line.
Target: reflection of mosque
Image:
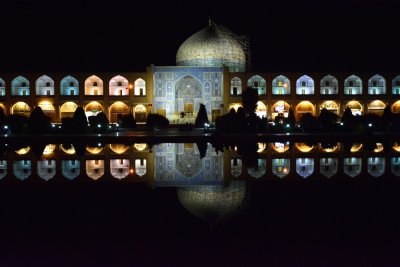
[(213, 69), (181, 164)]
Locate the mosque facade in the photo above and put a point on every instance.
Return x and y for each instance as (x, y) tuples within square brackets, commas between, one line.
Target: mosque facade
[(212, 68)]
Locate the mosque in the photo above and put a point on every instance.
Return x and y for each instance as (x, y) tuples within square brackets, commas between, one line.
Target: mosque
[(212, 68)]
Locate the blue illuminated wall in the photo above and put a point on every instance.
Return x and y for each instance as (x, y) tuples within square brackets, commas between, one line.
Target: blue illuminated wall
[(69, 86), (168, 79)]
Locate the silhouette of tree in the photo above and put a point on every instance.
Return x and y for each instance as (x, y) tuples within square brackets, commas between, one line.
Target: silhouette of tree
[(387, 117), (156, 121), (127, 121), (291, 119), (17, 123), (3, 117), (308, 121), (38, 123), (80, 121), (201, 118), (327, 120), (250, 99)]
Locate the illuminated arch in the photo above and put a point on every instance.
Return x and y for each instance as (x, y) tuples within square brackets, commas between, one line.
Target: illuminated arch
[(93, 108), (281, 85), (23, 151), (236, 167), (329, 85), (22, 169), (396, 107), (304, 107), (21, 108), (70, 169), (48, 109), (140, 146), (356, 148), (376, 85), (20, 86), (330, 105), (46, 169), (280, 147), (95, 168), (69, 86), (376, 107), (3, 168), (355, 106), (353, 85), (236, 86), (3, 108), (261, 147), (329, 149), (378, 147), (376, 166), (259, 169), (396, 85), (140, 87), (119, 148), (280, 107), (305, 85), (2, 87), (67, 109), (140, 112), (118, 86), (302, 147), (261, 109), (352, 166), (44, 86), (119, 168), (281, 167), (93, 86), (70, 150), (259, 83), (328, 167), (395, 166), (94, 150), (141, 166), (117, 110), (49, 149), (304, 167)]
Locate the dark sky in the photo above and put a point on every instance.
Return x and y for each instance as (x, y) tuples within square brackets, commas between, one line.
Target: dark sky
[(48, 36)]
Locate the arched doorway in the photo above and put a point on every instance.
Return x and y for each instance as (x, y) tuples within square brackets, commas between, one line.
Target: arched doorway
[(67, 110), (303, 108), (331, 106), (376, 107), (117, 110), (355, 106), (396, 107), (280, 107), (93, 108), (140, 114), (21, 108), (3, 108), (48, 109), (188, 95), (261, 110)]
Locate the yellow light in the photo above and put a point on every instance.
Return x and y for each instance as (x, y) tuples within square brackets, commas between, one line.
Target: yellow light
[(23, 151), (140, 147), (130, 86), (131, 171), (285, 85), (49, 149), (70, 150)]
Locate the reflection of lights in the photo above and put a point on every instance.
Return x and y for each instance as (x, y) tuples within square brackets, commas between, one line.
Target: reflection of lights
[(285, 170), (261, 147), (119, 148), (280, 147), (131, 171), (23, 151), (356, 147), (140, 147), (70, 150), (304, 148), (396, 147), (379, 147), (94, 150), (49, 149)]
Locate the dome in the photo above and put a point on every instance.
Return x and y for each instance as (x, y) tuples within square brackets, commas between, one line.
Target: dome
[(213, 203), (213, 46)]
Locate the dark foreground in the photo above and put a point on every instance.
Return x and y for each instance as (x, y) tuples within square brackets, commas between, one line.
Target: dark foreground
[(305, 223)]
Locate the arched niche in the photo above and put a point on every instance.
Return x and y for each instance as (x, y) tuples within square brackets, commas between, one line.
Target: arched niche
[(331, 106), (70, 169), (141, 166), (119, 168), (48, 109), (376, 107), (69, 86), (280, 107), (259, 83), (21, 108), (46, 169), (67, 110), (395, 166), (95, 168), (93, 86), (22, 169), (93, 108), (140, 112), (376, 166), (329, 85), (305, 167), (117, 111), (353, 85), (396, 85), (396, 107), (139, 87), (236, 167), (236, 86), (281, 167), (3, 168), (20, 86), (352, 166), (305, 85), (377, 85), (44, 86), (119, 86), (281, 85), (303, 108), (355, 107), (2, 87), (261, 110), (119, 148), (259, 169), (328, 166)]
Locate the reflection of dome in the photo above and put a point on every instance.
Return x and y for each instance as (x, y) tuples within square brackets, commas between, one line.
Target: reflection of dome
[(212, 46), (213, 203)]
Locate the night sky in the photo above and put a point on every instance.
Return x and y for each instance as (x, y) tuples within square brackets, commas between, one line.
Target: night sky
[(50, 36)]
